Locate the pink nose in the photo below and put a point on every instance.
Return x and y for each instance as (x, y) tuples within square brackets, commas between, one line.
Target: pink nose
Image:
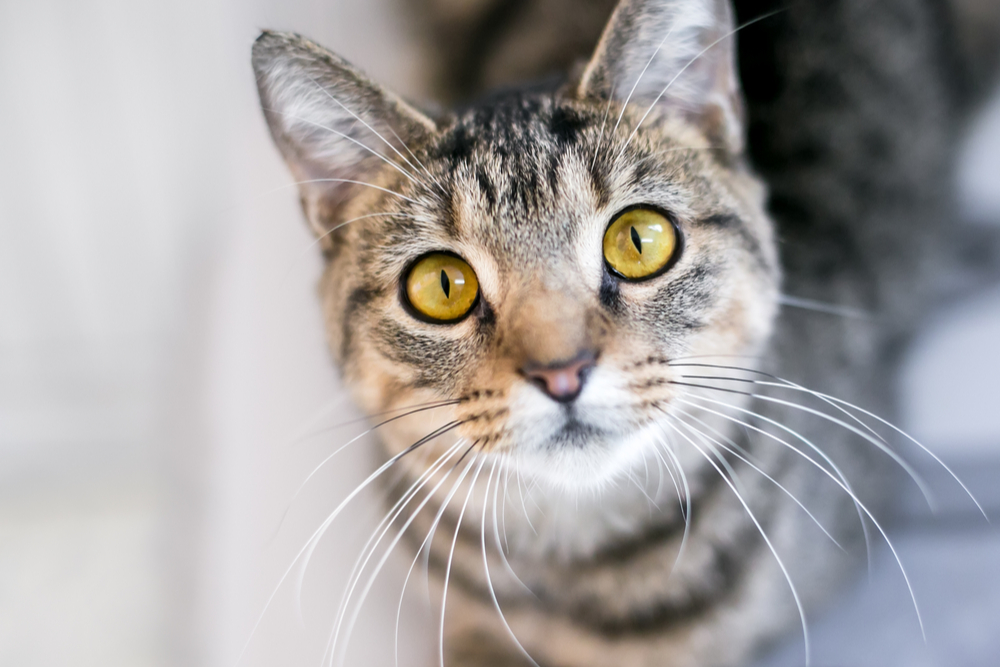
[(562, 381)]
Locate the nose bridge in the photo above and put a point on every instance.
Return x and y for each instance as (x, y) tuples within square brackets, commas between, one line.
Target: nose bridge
[(548, 325)]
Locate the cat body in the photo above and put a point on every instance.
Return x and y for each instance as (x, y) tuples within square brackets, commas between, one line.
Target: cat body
[(606, 469)]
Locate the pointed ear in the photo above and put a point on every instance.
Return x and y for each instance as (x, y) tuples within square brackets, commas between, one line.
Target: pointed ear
[(675, 55), (334, 127)]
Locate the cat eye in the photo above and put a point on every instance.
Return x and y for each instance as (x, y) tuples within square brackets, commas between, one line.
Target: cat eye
[(441, 288), (640, 243)]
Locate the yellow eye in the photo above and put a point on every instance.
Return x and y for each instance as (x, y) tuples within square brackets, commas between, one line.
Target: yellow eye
[(441, 287), (639, 244)]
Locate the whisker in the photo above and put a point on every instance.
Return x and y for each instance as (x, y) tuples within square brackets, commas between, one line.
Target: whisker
[(744, 456), (635, 85), (416, 407), (878, 442), (389, 549), (842, 484), (373, 131), (423, 168), (651, 503), (451, 556), (823, 307), (358, 437), (496, 533), (309, 546), (427, 438), (506, 499), (386, 523), (520, 491), (685, 504), (486, 565), (673, 480), (763, 534), (788, 384), (426, 544), (660, 465)]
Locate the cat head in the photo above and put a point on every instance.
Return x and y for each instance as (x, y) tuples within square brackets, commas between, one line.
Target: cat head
[(527, 269)]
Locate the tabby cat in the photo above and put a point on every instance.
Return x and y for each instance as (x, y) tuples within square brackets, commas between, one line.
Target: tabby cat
[(562, 304)]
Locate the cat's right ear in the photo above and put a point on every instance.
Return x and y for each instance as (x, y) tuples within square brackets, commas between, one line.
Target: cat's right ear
[(333, 125)]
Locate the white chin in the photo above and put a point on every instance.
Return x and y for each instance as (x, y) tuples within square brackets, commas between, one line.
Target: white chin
[(588, 462)]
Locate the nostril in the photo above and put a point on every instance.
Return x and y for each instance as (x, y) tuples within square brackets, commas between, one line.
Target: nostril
[(564, 381)]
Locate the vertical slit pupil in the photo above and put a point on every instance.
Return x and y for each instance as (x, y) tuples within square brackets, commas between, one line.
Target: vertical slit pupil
[(636, 241), (445, 284)]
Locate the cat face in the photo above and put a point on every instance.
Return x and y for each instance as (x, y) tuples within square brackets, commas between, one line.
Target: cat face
[(527, 269)]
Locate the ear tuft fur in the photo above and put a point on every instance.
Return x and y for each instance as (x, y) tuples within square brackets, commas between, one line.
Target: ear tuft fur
[(333, 125)]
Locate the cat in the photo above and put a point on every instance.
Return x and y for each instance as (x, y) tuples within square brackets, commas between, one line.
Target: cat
[(562, 305)]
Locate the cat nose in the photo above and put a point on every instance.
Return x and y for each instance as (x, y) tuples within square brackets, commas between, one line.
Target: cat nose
[(562, 381)]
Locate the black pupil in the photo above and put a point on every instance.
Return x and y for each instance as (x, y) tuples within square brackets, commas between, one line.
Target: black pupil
[(445, 284), (636, 241)]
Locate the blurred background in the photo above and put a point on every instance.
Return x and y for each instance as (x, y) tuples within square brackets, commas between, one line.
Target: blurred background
[(164, 387)]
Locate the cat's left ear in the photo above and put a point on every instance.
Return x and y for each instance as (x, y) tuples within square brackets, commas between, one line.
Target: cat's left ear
[(333, 125), (673, 56)]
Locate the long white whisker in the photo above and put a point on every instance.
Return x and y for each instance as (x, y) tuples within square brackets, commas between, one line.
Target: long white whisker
[(427, 438), (506, 497), (426, 544), (415, 407), (486, 567), (788, 384), (315, 537), (381, 530), (843, 485), (685, 504), (319, 239), (520, 491), (877, 442), (496, 533), (651, 503), (388, 519), (417, 160), (352, 441), (843, 481), (823, 307), (670, 472), (744, 456), (451, 556), (763, 534)]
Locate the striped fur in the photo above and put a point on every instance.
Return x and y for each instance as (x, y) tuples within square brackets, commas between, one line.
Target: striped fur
[(611, 568)]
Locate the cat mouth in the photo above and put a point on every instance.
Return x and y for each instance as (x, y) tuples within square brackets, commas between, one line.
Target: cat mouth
[(575, 433)]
